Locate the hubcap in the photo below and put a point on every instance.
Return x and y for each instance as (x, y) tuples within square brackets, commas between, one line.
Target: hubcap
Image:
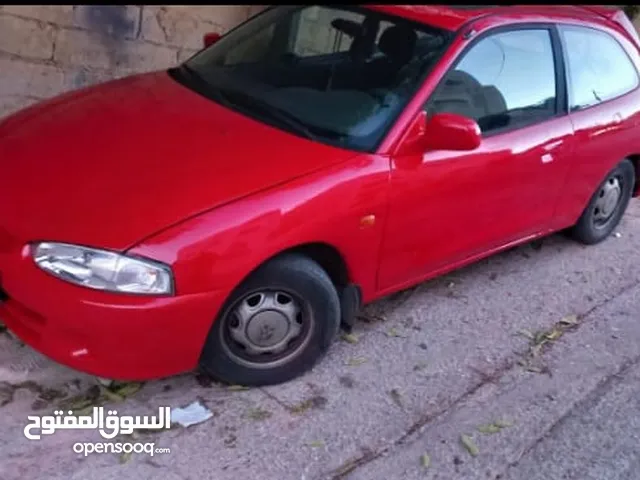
[(265, 327), (607, 202)]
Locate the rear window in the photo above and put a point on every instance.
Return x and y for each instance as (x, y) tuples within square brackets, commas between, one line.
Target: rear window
[(599, 68)]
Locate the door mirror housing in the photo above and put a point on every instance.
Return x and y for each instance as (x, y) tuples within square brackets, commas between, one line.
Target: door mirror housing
[(443, 131), (449, 131), (210, 38)]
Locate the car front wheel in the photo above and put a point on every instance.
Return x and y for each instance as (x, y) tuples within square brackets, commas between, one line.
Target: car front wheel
[(606, 206), (275, 326)]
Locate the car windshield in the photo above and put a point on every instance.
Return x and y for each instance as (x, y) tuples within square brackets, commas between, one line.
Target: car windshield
[(339, 75)]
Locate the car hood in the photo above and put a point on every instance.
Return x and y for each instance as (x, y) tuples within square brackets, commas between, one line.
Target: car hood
[(110, 165)]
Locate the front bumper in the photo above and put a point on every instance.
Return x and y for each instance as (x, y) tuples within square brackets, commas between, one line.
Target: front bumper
[(121, 337)]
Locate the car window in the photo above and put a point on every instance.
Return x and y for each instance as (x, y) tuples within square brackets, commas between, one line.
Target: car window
[(317, 71), (316, 36), (251, 49), (506, 80), (599, 68)]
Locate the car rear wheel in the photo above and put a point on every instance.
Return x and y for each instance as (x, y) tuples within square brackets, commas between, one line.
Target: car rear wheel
[(276, 325), (606, 206)]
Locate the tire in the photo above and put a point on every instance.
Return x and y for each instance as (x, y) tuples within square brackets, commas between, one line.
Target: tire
[(600, 217), (288, 294)]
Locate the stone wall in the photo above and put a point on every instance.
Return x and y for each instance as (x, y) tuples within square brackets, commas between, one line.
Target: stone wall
[(46, 50), (49, 49)]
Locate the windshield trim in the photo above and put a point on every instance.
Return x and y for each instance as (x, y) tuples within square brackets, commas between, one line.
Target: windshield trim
[(188, 77)]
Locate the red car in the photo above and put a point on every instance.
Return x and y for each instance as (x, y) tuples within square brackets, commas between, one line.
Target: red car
[(233, 212)]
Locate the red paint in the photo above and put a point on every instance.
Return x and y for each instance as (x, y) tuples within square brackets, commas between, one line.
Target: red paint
[(145, 166), (210, 38)]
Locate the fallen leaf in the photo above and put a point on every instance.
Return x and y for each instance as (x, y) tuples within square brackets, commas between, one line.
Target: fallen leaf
[(490, 428), (125, 457), (316, 444), (554, 334), (237, 388), (540, 338), (83, 411), (392, 332), (80, 404), (258, 414), (534, 369), (469, 444), (536, 349), (504, 423), (317, 401), (350, 338), (396, 396), (526, 333), (109, 395), (425, 460), (127, 389), (570, 320), (354, 362)]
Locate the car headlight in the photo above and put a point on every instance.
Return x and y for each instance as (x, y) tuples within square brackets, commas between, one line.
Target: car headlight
[(103, 270)]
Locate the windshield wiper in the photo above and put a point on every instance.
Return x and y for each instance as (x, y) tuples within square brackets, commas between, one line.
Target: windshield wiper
[(204, 87), (276, 113)]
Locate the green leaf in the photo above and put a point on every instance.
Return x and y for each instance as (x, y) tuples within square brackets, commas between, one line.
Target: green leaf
[(570, 320), (489, 429), (354, 362), (316, 444), (526, 333), (425, 460), (237, 388), (350, 338), (468, 443), (258, 414), (125, 457), (127, 389), (392, 332), (504, 423), (83, 411), (109, 395), (554, 334)]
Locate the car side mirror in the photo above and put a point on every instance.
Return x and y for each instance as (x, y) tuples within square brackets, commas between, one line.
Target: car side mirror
[(449, 131), (210, 38), (443, 131)]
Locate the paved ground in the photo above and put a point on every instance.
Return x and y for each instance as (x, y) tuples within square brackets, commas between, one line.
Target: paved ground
[(430, 365)]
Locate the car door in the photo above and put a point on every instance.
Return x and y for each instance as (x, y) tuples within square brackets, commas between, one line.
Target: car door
[(450, 207), (604, 107)]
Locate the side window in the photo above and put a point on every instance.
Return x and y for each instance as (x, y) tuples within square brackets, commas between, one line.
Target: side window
[(599, 68), (505, 81), (316, 36)]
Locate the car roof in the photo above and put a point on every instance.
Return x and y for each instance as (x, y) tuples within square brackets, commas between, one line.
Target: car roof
[(452, 17)]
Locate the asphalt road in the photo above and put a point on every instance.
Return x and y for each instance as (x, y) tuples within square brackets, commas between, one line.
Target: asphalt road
[(430, 365)]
